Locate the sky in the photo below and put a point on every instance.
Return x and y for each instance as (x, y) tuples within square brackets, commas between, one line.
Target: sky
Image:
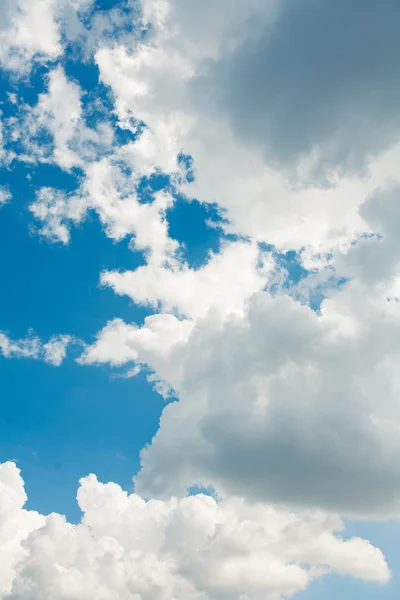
[(199, 308)]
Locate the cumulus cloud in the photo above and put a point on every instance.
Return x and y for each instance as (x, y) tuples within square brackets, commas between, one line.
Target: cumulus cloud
[(161, 82), (164, 83), (195, 548), (15, 524), (318, 80), (278, 402), (223, 284), (282, 110), (269, 377), (119, 343)]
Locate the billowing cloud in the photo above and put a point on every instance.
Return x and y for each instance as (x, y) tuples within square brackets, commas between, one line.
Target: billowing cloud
[(15, 524), (223, 284), (166, 83), (194, 548), (279, 402), (319, 80), (288, 113)]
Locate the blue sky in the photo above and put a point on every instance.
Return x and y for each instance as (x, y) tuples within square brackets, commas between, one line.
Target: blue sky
[(200, 282), (61, 424)]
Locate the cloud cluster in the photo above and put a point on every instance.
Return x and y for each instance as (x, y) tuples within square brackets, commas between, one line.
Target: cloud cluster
[(52, 352), (33, 30), (194, 548), (110, 192), (289, 114), (318, 80), (54, 129), (182, 85), (279, 402), (36, 32)]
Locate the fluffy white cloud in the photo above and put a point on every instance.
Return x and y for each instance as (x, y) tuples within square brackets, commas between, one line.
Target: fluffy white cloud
[(33, 29), (119, 343), (53, 352), (163, 83), (58, 115), (194, 548), (279, 402), (15, 524), (28, 29), (112, 194), (223, 284), (276, 401)]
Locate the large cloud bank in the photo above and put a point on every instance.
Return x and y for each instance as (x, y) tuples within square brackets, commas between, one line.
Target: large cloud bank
[(193, 548), (284, 114)]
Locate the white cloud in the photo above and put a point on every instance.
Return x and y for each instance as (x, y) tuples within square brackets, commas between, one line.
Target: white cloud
[(37, 31), (162, 84), (223, 284), (119, 343), (59, 114), (278, 402), (53, 352), (57, 211), (193, 548), (250, 370), (105, 187), (32, 30), (26, 348), (5, 194), (28, 29), (112, 194), (15, 524)]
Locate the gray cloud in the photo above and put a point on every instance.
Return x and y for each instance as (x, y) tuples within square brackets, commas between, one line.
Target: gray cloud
[(323, 76), (295, 407)]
